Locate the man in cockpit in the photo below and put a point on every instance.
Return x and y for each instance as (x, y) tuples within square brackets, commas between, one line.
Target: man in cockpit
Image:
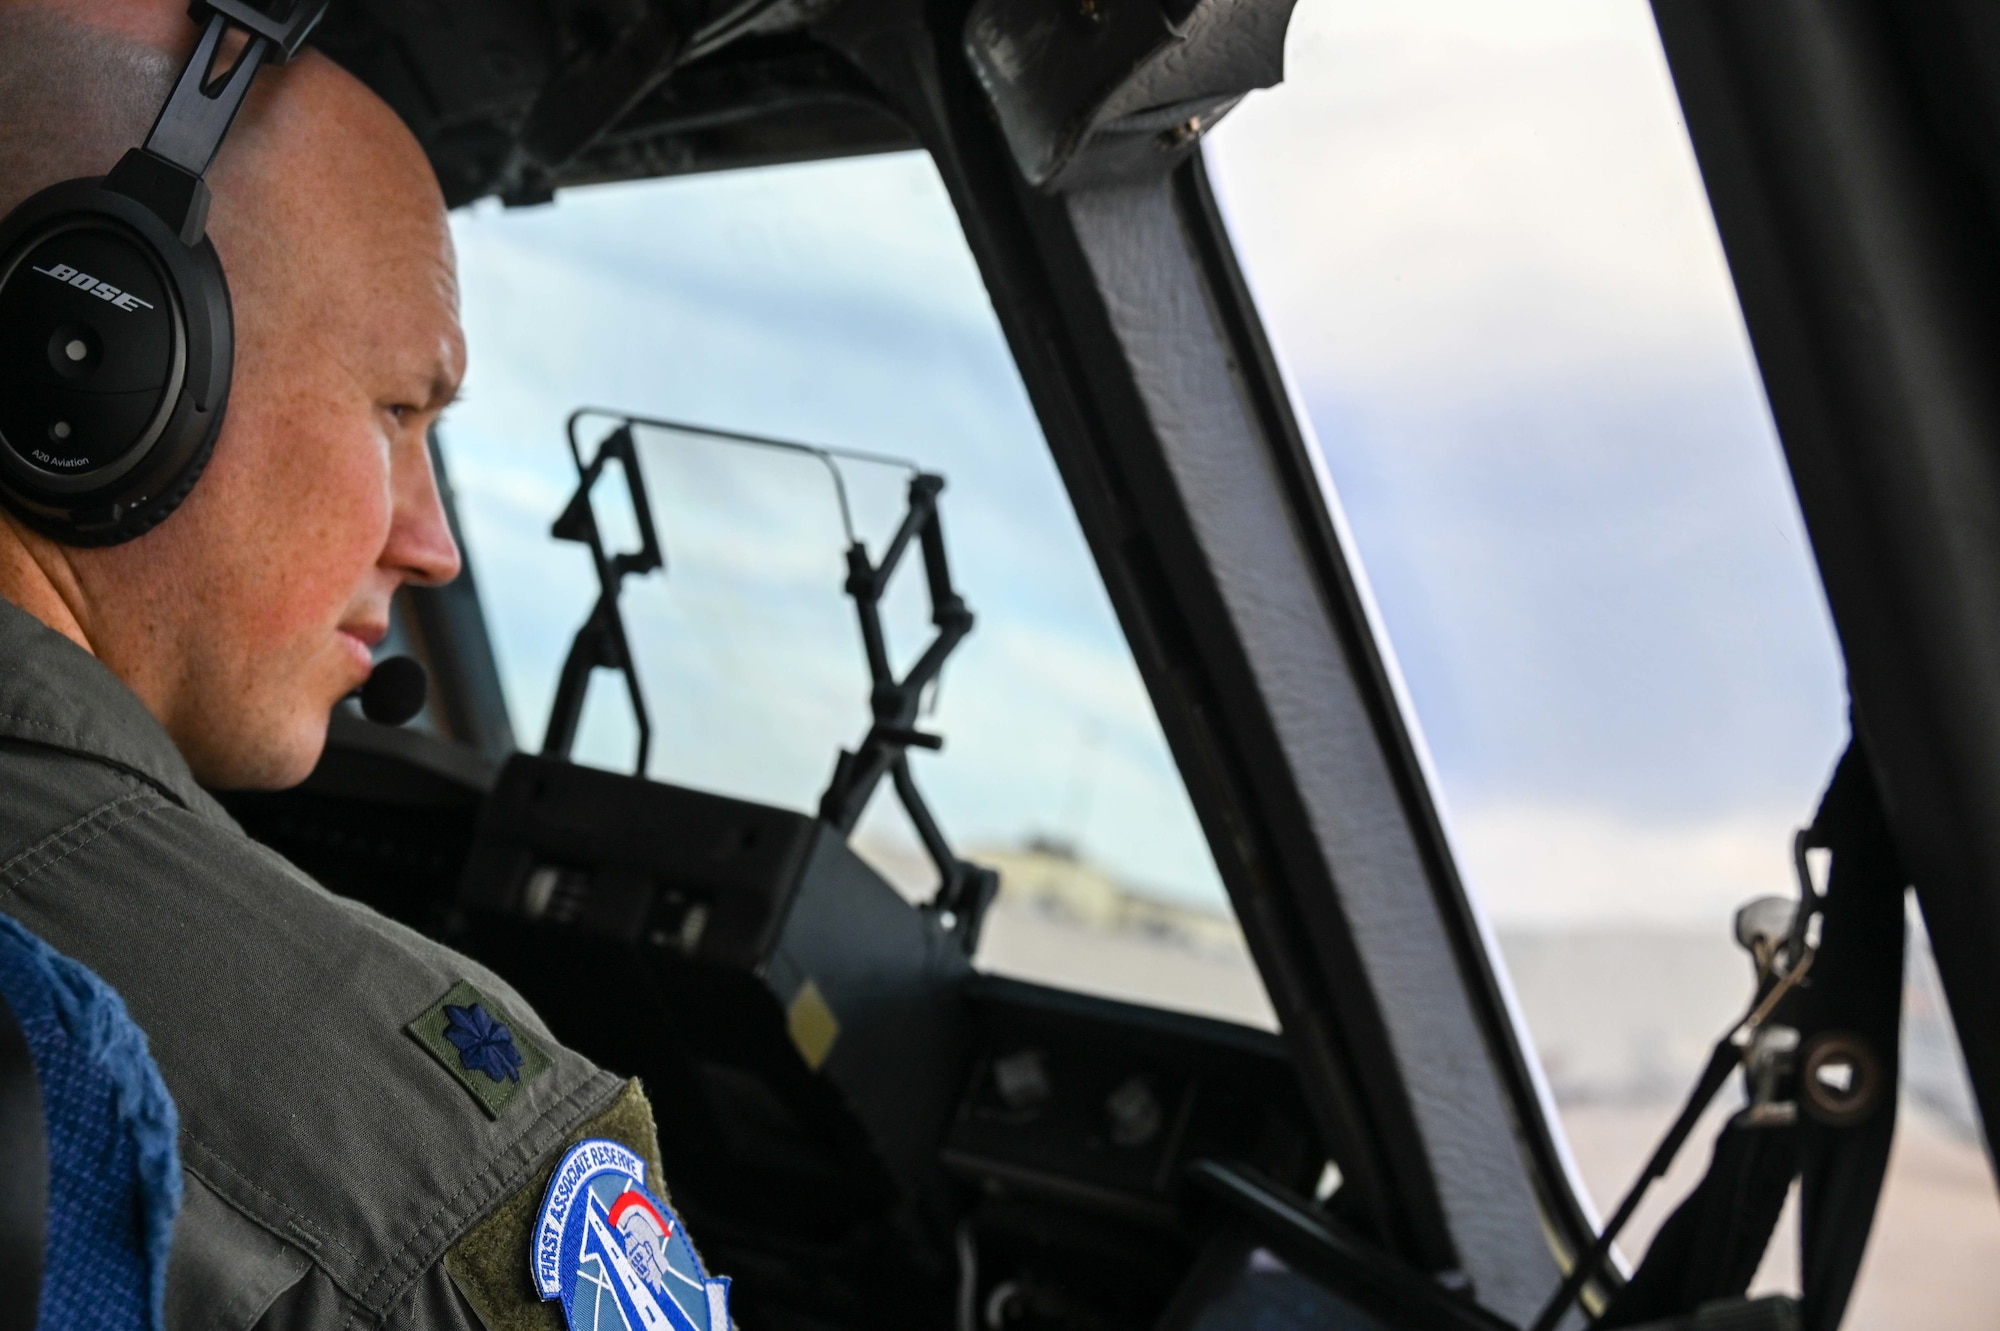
[(368, 1120)]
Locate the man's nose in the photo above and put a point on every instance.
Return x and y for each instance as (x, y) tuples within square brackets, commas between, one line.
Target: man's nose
[(420, 543)]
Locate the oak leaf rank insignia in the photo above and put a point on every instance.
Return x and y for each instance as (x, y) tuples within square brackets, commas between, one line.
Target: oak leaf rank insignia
[(480, 1047)]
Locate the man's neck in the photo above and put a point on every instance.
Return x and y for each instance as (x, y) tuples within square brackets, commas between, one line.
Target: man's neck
[(36, 577)]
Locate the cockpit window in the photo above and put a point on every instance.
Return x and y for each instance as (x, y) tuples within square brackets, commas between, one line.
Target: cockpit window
[(834, 304), (1480, 238)]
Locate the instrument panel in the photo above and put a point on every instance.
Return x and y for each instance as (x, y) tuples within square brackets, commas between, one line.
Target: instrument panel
[(862, 1128)]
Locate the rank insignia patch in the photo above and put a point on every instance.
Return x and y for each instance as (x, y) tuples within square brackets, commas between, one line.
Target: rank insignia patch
[(479, 1045), (614, 1254)]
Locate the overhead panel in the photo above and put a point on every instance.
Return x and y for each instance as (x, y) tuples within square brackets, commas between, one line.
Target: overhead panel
[(519, 98)]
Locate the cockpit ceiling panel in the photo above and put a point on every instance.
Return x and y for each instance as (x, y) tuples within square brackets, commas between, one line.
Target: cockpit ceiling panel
[(517, 98)]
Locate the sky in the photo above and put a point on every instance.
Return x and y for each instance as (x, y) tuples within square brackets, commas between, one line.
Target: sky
[(835, 303), (1478, 237)]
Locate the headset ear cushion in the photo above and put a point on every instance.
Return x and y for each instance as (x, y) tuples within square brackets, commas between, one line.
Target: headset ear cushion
[(116, 342), (135, 520)]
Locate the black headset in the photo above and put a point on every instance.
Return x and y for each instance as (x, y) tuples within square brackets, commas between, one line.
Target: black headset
[(116, 337)]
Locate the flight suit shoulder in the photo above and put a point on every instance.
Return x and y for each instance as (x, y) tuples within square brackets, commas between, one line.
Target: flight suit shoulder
[(489, 1265), (359, 1093), (55, 801), (355, 1100)]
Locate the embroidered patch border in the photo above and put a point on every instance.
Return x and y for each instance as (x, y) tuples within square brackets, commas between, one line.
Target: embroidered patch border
[(481, 1046), (614, 1254)]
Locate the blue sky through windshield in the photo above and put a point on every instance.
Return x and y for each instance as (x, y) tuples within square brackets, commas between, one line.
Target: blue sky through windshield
[(1521, 354), (836, 303)]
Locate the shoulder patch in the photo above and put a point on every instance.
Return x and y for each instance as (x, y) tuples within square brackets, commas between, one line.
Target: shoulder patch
[(480, 1046), (615, 1255)]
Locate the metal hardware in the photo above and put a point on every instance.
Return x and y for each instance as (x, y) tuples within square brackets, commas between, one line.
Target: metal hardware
[(1777, 935), (1763, 926), (965, 890), (601, 643), (1840, 1079), (1769, 1056)]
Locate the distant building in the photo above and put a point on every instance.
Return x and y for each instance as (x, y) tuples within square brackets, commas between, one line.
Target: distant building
[(1048, 876)]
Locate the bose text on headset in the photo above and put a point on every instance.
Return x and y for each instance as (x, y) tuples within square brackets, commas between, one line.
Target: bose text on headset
[(116, 334)]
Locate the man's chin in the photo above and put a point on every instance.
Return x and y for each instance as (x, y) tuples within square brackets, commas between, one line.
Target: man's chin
[(272, 758)]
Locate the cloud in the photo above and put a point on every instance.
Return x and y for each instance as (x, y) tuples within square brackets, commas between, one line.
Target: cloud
[(1481, 243), (1457, 212), (1539, 864), (1602, 596)]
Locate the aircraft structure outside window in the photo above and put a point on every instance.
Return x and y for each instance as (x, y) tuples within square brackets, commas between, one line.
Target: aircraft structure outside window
[(1480, 237), (834, 303)]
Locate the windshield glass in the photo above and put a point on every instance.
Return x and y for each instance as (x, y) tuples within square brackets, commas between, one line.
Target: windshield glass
[(1481, 241), (835, 304)]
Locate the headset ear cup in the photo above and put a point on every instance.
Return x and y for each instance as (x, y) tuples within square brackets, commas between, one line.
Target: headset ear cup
[(187, 443), (116, 345), (134, 521)]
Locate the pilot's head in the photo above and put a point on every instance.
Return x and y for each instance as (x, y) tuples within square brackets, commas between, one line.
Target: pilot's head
[(245, 616)]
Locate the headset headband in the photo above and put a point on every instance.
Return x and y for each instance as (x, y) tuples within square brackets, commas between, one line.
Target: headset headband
[(169, 175)]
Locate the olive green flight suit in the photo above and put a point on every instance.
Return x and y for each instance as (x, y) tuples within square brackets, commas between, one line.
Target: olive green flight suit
[(338, 1173)]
